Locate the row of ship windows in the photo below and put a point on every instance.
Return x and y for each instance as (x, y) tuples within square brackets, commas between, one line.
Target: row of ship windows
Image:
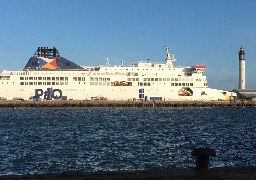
[(64, 78), (45, 78), (99, 79), (144, 79), (172, 84), (43, 83), (166, 79)]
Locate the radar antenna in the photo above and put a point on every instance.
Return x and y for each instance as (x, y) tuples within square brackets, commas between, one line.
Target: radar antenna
[(170, 58)]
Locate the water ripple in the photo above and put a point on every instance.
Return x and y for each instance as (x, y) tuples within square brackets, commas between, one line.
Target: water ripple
[(92, 139)]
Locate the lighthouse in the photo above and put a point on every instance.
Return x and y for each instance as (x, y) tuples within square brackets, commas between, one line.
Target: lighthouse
[(241, 68)]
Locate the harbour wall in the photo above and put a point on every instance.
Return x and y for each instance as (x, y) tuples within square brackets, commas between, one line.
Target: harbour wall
[(104, 103)]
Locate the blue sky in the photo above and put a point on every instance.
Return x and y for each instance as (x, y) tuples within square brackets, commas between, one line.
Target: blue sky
[(88, 31)]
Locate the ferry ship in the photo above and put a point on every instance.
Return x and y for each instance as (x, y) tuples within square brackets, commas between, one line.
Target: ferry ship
[(48, 76)]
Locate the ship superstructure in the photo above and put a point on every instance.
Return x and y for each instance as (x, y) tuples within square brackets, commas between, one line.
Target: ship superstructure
[(49, 76)]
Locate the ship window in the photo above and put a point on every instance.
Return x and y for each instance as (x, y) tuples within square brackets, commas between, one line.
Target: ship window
[(148, 84), (133, 79), (160, 79), (141, 83), (21, 78), (57, 83), (100, 79), (172, 84), (152, 79), (145, 84), (53, 78), (176, 79), (61, 83), (183, 84), (66, 78), (35, 78), (172, 79), (66, 83), (108, 79), (48, 83), (57, 78), (168, 79), (62, 78), (128, 79), (30, 83), (191, 84), (156, 79), (187, 84), (39, 78), (53, 83), (83, 78), (79, 78), (35, 83), (164, 79), (30, 78), (21, 83), (26, 83), (176, 84), (44, 78), (137, 79), (91, 79), (96, 79), (48, 78), (39, 83)]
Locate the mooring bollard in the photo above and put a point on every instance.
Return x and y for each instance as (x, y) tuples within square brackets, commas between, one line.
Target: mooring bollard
[(202, 157)]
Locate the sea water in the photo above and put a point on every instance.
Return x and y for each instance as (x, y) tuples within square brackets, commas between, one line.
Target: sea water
[(108, 139)]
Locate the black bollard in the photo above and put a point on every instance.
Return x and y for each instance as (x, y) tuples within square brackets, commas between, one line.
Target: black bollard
[(202, 157)]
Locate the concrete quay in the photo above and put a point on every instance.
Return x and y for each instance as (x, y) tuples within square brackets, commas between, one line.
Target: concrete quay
[(105, 103), (226, 173)]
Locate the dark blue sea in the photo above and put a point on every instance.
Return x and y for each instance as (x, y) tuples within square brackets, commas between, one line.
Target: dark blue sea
[(100, 139)]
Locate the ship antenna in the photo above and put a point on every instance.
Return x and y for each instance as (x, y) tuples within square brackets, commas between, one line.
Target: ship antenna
[(107, 62), (168, 54), (169, 59)]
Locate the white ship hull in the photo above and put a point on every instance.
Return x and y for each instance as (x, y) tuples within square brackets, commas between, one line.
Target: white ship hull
[(143, 80)]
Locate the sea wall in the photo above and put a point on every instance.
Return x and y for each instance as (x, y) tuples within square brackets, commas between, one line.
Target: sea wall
[(103, 103)]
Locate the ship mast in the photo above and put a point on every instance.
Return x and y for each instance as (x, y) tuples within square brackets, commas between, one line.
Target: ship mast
[(170, 58)]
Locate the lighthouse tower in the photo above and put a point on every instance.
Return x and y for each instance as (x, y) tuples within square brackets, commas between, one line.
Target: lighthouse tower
[(241, 68)]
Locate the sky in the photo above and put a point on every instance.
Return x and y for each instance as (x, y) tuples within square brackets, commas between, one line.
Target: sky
[(89, 31)]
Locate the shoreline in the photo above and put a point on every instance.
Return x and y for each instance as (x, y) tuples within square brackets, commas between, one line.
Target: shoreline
[(106, 103)]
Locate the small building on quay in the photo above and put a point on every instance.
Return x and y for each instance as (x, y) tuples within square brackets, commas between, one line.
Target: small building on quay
[(245, 94)]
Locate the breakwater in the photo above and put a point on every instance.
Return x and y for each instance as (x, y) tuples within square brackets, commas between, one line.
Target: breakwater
[(76, 103)]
